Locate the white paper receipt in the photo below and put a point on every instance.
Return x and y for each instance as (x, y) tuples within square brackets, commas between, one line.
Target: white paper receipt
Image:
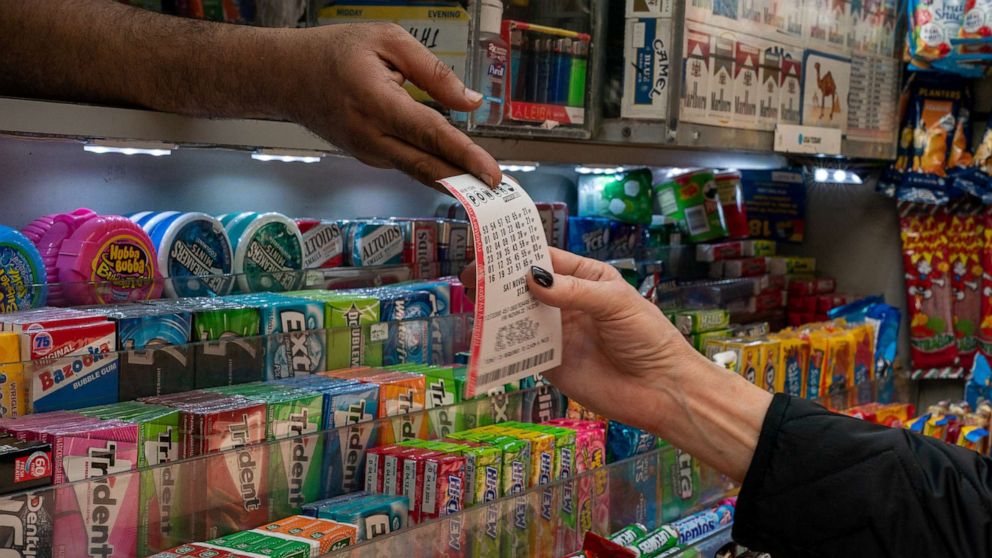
[(515, 335)]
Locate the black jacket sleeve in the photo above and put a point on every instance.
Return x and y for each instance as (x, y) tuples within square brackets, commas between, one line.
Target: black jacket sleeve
[(822, 484)]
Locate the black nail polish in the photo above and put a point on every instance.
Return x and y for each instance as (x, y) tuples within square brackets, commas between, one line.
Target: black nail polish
[(542, 277)]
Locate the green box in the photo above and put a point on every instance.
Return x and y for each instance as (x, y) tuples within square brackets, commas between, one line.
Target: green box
[(699, 339), (296, 462), (348, 319), (692, 200), (689, 322), (680, 486)]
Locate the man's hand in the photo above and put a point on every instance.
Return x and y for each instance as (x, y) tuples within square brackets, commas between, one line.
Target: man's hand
[(344, 82), (353, 77)]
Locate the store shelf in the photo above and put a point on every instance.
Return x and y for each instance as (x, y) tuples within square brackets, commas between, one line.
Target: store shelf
[(48, 119)]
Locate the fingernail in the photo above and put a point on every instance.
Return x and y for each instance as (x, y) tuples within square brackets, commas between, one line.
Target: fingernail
[(488, 180), (542, 277), (472, 95)]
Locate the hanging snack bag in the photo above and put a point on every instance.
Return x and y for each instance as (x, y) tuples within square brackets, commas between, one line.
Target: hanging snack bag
[(984, 333), (965, 250), (925, 257), (936, 107), (976, 25), (933, 23)]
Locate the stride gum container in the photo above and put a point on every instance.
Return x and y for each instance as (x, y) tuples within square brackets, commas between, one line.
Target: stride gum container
[(194, 254), (108, 259), (268, 251)]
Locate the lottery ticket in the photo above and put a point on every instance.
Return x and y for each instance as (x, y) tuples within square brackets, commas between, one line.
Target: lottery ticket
[(515, 335)]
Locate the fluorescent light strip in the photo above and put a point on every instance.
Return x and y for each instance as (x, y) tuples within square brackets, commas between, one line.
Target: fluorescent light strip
[(285, 158), (101, 149), (583, 169), (836, 176)]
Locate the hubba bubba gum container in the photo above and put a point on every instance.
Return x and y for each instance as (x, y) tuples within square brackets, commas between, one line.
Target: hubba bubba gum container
[(48, 233), (108, 259), (268, 251), (194, 254), (22, 273)]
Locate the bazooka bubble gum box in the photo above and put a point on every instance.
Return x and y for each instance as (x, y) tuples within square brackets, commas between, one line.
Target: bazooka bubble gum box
[(72, 367), (98, 518)]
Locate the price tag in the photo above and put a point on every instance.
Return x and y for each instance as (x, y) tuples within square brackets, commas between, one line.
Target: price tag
[(515, 335), (378, 332)]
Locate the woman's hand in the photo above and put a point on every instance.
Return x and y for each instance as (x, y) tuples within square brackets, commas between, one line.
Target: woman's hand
[(353, 76), (624, 360)]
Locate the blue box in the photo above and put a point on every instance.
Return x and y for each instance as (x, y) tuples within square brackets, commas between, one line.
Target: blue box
[(775, 202), (351, 409)]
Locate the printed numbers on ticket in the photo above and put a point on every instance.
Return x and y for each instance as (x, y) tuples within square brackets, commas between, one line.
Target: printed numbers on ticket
[(515, 335)]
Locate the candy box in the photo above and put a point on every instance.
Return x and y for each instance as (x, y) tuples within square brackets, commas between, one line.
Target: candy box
[(795, 362), (419, 240), (841, 354), (772, 376), (74, 366), (681, 488), (349, 338), (748, 358), (155, 354), (296, 343), (406, 342), (692, 199), (782, 265), (47, 318), (296, 463), (589, 236), (624, 197), (444, 396), (375, 468), (402, 395), (864, 353), (102, 511), (231, 353), (323, 243), (442, 330), (351, 409), (327, 535), (13, 390), (30, 521), (374, 243), (24, 465), (807, 285), (374, 516), (746, 267), (700, 321), (236, 482), (701, 340)]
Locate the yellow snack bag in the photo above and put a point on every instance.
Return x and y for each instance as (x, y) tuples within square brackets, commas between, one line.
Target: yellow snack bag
[(13, 391)]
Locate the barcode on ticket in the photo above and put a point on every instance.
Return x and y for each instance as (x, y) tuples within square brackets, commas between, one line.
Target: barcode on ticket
[(511, 369)]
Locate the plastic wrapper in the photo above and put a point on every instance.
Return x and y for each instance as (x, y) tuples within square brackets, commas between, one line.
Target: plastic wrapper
[(965, 249), (929, 294)]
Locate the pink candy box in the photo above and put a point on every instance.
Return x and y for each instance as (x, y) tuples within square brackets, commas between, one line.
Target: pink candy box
[(109, 259)]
